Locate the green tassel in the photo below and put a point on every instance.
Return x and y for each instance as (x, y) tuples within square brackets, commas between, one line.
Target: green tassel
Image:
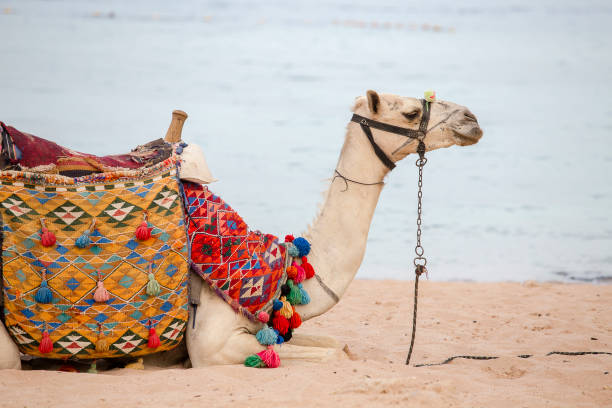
[(295, 295), (254, 361), (93, 369), (153, 288)]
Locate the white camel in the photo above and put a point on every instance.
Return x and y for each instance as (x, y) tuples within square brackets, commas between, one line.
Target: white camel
[(338, 234)]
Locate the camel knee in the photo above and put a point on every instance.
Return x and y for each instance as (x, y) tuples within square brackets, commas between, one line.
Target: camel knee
[(9, 353)]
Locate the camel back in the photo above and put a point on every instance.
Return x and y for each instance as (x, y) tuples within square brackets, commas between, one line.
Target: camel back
[(83, 277)]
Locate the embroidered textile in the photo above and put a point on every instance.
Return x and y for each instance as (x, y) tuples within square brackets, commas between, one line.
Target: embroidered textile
[(116, 204), (246, 268)]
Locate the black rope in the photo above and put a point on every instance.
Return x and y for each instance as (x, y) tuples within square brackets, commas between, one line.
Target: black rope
[(563, 353), (346, 180)]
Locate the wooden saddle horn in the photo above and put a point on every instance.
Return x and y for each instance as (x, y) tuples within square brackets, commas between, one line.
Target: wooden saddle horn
[(173, 135)]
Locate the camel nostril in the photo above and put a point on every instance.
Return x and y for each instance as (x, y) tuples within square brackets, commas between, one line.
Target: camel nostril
[(469, 115)]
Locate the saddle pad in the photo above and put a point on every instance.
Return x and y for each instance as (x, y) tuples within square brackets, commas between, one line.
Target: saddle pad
[(79, 325), (246, 268)]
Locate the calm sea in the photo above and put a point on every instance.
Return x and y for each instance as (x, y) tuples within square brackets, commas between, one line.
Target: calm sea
[(268, 86)]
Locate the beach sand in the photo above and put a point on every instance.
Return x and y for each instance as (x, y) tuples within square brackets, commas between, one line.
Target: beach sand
[(374, 321)]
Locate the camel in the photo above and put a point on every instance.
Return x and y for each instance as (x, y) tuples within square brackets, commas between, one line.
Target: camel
[(338, 234)]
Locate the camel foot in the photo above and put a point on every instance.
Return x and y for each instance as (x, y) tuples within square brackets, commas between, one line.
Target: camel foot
[(9, 353)]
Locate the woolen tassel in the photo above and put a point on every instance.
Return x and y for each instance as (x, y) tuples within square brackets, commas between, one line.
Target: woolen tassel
[(153, 287), (143, 232), (153, 338), (266, 336), (292, 271), (308, 269), (300, 275), (305, 296), (296, 320), (84, 241), (292, 250), (269, 357), (289, 238), (280, 323), (263, 317), (102, 345), (43, 294), (276, 305), (254, 361), (47, 238), (286, 310), (101, 295), (46, 345), (302, 245), (295, 296), (93, 369)]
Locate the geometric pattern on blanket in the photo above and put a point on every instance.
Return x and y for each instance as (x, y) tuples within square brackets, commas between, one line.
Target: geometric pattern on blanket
[(73, 319), (245, 268)]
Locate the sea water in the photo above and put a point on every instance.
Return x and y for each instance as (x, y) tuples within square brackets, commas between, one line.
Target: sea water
[(268, 86)]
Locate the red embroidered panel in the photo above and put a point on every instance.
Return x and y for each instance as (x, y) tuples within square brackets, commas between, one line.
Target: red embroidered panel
[(246, 268)]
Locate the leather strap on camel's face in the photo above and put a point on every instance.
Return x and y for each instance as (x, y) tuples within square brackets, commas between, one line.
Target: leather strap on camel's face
[(418, 134)]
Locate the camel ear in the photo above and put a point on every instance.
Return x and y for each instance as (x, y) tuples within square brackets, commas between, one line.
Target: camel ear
[(373, 101)]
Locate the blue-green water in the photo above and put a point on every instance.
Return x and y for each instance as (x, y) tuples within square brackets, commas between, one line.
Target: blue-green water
[(268, 88)]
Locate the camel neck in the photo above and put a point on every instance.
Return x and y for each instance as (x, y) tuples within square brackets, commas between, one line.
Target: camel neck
[(339, 233)]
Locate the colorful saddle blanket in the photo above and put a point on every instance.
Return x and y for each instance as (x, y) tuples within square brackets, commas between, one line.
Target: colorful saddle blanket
[(246, 268), (83, 277)]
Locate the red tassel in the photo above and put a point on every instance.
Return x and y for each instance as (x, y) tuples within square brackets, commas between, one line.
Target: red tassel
[(143, 232), (46, 345), (296, 320), (280, 323), (47, 238), (153, 339), (308, 269), (289, 238)]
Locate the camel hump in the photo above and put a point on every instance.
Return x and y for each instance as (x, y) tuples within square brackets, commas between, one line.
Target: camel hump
[(173, 135)]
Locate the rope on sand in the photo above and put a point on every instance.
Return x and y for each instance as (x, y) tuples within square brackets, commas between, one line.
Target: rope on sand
[(563, 353)]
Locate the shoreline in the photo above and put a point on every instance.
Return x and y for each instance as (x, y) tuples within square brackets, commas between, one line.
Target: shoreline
[(503, 319)]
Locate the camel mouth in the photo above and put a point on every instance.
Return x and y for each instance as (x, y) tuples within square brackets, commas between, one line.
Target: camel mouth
[(470, 137)]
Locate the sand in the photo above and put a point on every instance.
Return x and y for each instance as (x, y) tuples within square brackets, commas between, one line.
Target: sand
[(373, 320)]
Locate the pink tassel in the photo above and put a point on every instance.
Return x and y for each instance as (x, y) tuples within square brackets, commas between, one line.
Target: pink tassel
[(263, 317), (101, 295), (300, 275), (269, 357)]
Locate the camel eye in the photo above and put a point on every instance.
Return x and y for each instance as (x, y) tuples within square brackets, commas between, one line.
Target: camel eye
[(411, 115)]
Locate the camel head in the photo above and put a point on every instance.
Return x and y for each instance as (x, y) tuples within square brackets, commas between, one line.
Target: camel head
[(449, 124)]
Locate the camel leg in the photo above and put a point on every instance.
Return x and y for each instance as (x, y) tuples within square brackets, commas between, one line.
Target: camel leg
[(9, 353), (291, 351), (312, 340)]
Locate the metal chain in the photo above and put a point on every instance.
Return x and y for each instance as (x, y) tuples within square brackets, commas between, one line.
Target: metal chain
[(419, 260)]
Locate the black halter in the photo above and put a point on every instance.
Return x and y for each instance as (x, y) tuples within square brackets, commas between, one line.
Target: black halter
[(419, 134)]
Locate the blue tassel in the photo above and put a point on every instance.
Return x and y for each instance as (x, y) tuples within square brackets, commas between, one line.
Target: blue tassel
[(302, 245), (277, 305), (83, 241), (43, 294), (305, 296), (280, 340), (266, 336)]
